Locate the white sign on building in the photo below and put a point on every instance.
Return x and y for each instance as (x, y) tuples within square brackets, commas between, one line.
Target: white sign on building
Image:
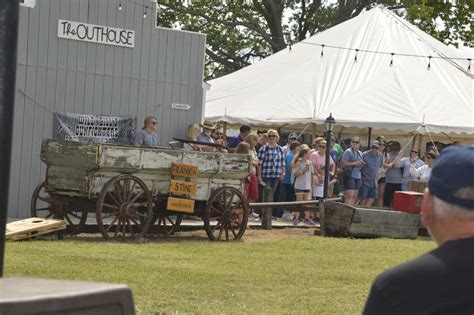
[(96, 33)]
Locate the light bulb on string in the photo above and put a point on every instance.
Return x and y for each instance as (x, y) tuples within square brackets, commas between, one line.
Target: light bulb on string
[(144, 12), (429, 63), (120, 5), (391, 60), (469, 66), (355, 57), (322, 51)]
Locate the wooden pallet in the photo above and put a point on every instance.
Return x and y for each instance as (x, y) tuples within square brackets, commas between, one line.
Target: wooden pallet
[(32, 227)]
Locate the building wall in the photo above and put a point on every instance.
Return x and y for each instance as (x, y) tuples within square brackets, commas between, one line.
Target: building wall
[(61, 75)]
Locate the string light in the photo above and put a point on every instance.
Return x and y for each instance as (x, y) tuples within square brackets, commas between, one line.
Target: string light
[(144, 13), (355, 57), (391, 60), (429, 63), (120, 5), (469, 66), (322, 51)]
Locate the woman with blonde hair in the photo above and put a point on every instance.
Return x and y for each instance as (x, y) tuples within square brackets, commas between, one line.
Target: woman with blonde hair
[(302, 171), (191, 134)]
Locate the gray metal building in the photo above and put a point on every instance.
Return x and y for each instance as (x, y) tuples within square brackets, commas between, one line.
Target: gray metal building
[(65, 75)]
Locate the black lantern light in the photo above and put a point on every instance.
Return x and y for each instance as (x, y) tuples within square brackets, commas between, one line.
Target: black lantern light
[(330, 122)]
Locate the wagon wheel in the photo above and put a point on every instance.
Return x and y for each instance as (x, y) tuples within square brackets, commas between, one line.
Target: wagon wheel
[(124, 208), (226, 215), (43, 205), (167, 222)]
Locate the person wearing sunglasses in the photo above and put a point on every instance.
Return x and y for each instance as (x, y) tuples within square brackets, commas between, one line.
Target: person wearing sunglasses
[(352, 163), (217, 134), (410, 165), (147, 136), (272, 162), (373, 161), (318, 158)]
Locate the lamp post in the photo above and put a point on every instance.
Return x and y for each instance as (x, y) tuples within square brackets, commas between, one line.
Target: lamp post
[(329, 123)]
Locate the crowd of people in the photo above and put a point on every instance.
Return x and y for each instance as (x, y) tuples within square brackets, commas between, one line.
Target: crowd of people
[(296, 172), (440, 281)]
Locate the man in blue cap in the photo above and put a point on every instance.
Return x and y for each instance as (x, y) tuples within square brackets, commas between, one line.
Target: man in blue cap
[(441, 281)]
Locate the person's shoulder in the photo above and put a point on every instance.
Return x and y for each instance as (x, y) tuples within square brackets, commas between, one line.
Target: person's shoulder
[(418, 271)]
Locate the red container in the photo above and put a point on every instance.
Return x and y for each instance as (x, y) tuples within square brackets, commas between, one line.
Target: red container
[(407, 201)]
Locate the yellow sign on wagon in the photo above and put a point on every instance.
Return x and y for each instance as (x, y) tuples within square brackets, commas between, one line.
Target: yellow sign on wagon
[(181, 187), (184, 170), (181, 205)]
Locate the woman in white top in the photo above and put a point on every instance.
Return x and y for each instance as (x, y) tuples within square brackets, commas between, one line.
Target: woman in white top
[(424, 172), (302, 171)]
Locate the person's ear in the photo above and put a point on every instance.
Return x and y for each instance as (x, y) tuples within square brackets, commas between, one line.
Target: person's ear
[(427, 217)]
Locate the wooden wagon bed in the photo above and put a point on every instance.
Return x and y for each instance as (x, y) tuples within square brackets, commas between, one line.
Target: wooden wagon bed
[(128, 188)]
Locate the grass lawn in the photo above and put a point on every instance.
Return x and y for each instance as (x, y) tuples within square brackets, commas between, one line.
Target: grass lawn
[(289, 272)]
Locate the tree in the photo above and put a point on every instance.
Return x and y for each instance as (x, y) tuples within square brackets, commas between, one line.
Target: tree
[(450, 23), (241, 31)]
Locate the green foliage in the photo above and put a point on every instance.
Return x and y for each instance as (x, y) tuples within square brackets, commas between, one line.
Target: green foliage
[(456, 20), (241, 31), (294, 275)]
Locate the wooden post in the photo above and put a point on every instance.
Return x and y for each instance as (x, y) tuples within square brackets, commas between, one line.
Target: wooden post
[(267, 211), (321, 218)]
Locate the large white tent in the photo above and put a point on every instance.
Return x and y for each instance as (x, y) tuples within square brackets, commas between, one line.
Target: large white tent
[(298, 86)]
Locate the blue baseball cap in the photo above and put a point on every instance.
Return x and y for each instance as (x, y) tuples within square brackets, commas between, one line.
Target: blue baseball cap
[(452, 171)]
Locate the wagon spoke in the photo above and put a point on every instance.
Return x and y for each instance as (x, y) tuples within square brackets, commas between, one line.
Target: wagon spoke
[(137, 196), (230, 199), (113, 198), (233, 231), (218, 225), (215, 209), (131, 190), (118, 191), (134, 221), (112, 224), (129, 226), (110, 206), (68, 219), (170, 221), (126, 189), (45, 199), (226, 229), (220, 233), (42, 209), (74, 214)]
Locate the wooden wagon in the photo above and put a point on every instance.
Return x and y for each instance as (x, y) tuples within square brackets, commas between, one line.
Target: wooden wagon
[(128, 189)]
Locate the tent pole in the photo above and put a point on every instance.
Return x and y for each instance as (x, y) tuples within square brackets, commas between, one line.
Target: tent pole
[(369, 138), (419, 142), (224, 131)]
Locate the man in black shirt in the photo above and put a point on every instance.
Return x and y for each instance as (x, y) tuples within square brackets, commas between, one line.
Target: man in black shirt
[(441, 281)]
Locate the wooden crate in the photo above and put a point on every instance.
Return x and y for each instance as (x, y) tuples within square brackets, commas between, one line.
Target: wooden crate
[(32, 227)]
